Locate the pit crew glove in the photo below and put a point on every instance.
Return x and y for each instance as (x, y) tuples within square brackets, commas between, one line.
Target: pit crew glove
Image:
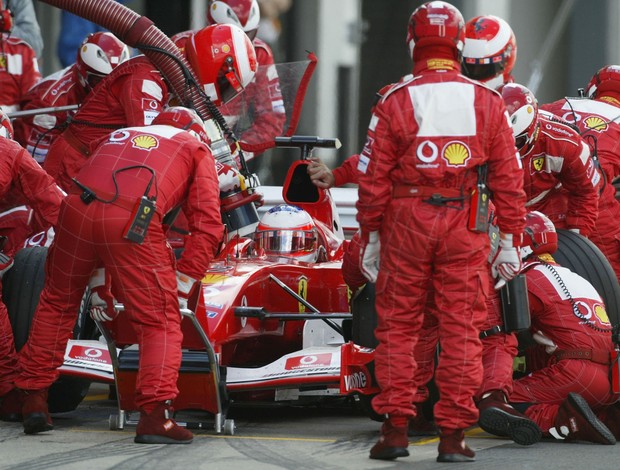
[(540, 338), (184, 287), (369, 256), (6, 262), (101, 299), (507, 261)]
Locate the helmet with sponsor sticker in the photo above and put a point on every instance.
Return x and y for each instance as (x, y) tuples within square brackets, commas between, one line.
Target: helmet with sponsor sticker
[(605, 82), (6, 128), (224, 60), (242, 13), (99, 54), (522, 108), (436, 24), (183, 118), (539, 236), (490, 50), (287, 232)]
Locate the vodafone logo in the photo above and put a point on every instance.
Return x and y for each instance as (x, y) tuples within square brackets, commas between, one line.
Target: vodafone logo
[(93, 353), (309, 361)]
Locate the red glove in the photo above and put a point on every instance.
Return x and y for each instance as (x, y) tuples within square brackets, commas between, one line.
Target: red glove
[(185, 284)]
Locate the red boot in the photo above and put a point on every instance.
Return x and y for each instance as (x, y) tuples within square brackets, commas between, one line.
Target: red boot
[(34, 410), (499, 418), (157, 427), (452, 447), (11, 406), (393, 441), (576, 421)]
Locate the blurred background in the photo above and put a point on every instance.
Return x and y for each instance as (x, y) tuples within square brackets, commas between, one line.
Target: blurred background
[(360, 45)]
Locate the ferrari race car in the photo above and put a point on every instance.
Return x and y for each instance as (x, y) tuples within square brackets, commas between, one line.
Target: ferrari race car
[(259, 328)]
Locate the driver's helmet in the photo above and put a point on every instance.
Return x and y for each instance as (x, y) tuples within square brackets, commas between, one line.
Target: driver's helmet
[(243, 13), (490, 51), (287, 232), (522, 108), (99, 54), (539, 236)]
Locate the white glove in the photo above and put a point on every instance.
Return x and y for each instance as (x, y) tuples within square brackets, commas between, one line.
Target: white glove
[(369, 257), (229, 178), (540, 338), (507, 261), (101, 300), (184, 287), (574, 230)]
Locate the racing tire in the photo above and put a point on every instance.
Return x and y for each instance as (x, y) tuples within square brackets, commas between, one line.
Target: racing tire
[(22, 286), (583, 257), (364, 317)]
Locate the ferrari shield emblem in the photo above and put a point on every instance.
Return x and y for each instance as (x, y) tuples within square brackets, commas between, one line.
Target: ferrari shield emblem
[(538, 163), (302, 290)]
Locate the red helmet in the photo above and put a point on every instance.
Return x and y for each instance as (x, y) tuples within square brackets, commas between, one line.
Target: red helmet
[(539, 236), (605, 80), (224, 60), (490, 50), (183, 118), (6, 128), (436, 24), (522, 108), (242, 13), (98, 55)]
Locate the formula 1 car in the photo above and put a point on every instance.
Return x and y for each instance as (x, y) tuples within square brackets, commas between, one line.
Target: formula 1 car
[(259, 329)]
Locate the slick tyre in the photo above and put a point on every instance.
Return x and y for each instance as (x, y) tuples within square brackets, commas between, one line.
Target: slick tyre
[(22, 286)]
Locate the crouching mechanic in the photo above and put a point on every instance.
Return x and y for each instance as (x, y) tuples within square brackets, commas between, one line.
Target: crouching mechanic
[(139, 171), (568, 317), (20, 177)]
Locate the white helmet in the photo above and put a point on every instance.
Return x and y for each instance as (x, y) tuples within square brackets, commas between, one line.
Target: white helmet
[(287, 232)]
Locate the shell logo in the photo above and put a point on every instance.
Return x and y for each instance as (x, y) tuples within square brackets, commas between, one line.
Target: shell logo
[(145, 142), (595, 123), (456, 153), (214, 278), (601, 314), (225, 48)]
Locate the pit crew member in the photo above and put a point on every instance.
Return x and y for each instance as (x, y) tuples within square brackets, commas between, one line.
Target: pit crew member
[(429, 166), (138, 170), (598, 118), (561, 180), (22, 177), (569, 319), (97, 56), (135, 92)]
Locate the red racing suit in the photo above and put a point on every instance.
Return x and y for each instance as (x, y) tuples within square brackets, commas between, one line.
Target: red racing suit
[(131, 95), (143, 275), (561, 180), (418, 146), (36, 133), (554, 293), (21, 175), (19, 71), (599, 123)]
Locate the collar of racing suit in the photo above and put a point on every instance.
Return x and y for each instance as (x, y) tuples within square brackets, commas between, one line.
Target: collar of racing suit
[(436, 62)]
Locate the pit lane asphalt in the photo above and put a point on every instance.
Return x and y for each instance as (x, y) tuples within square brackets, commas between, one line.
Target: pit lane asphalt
[(327, 437)]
